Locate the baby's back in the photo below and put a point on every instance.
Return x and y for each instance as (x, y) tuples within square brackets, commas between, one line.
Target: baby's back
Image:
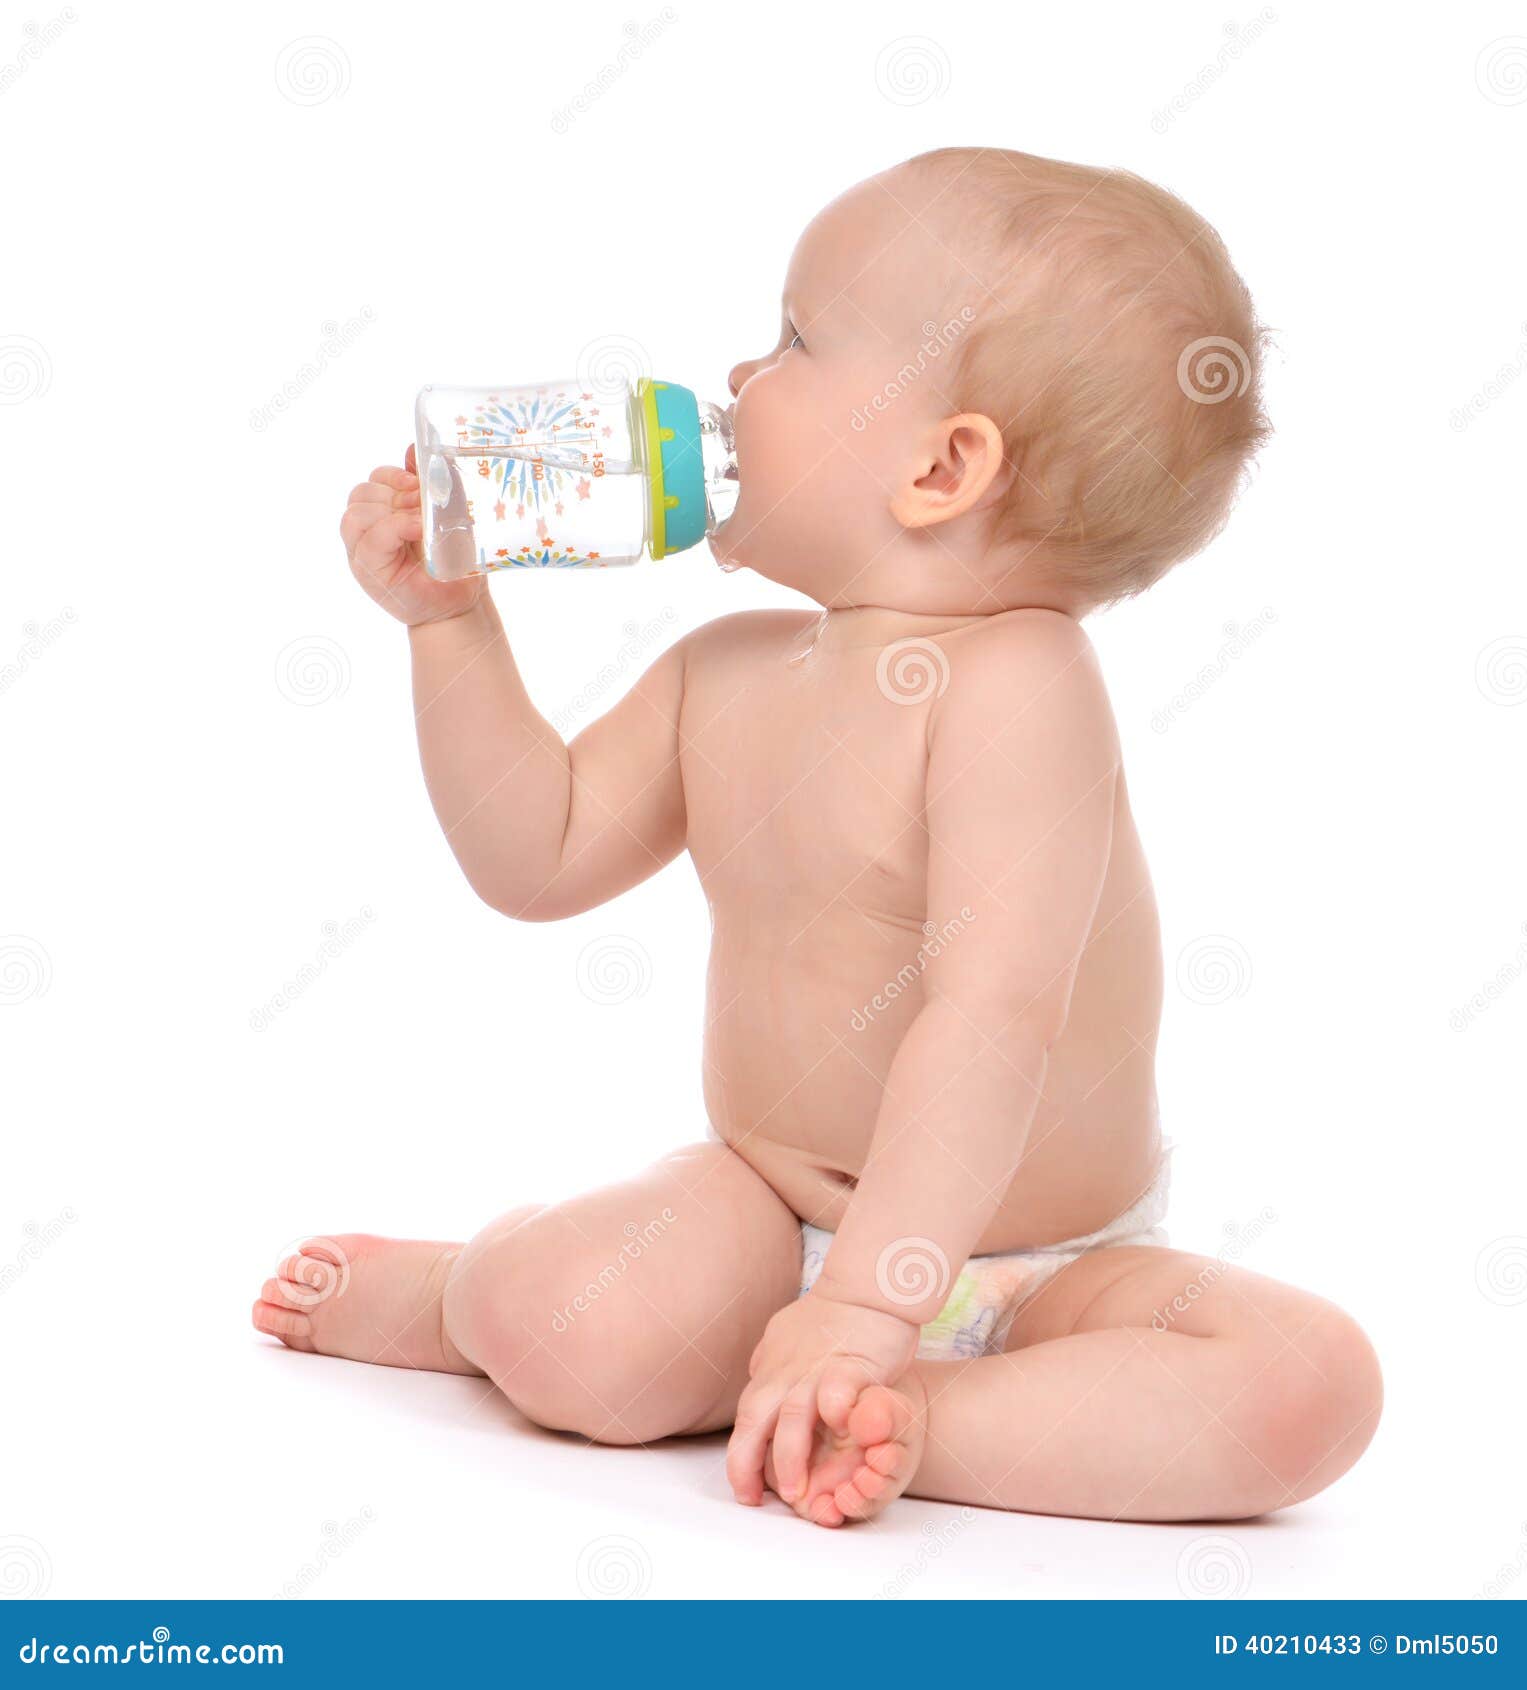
[(805, 771)]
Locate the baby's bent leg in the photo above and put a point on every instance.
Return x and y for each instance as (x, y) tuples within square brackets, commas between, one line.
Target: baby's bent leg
[(630, 1313), (1149, 1384)]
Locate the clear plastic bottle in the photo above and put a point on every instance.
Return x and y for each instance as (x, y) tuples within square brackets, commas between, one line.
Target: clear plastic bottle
[(553, 476)]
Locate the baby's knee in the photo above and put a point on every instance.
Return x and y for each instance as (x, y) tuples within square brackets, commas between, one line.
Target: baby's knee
[(1311, 1410), (521, 1305)]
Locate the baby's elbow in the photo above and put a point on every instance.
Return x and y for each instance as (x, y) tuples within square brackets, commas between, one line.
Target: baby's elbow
[(524, 903)]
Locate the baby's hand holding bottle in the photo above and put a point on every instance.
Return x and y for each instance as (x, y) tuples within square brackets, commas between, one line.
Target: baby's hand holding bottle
[(382, 530)]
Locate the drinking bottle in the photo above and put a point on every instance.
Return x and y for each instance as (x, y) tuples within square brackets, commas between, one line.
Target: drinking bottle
[(563, 475)]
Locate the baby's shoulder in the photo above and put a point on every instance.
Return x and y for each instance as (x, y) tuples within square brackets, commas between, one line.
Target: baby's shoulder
[(1035, 666), (746, 634), (1019, 651)]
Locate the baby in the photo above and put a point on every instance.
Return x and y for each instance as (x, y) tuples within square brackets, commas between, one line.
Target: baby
[(920, 1249)]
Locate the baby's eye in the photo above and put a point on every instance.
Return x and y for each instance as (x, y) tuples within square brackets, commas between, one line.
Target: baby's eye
[(795, 340)]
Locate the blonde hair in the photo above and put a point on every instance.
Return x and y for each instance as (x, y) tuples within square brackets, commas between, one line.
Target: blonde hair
[(1121, 358)]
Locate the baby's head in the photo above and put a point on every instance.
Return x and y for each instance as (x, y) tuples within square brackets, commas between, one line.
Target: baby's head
[(1000, 381)]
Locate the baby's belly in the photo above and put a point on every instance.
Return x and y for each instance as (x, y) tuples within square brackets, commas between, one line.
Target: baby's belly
[(800, 1038)]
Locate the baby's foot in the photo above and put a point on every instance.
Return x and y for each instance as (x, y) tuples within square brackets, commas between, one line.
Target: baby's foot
[(364, 1298), (855, 1474)]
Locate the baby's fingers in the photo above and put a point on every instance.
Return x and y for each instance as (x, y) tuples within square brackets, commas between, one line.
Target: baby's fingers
[(754, 1426), (377, 543), (793, 1437)]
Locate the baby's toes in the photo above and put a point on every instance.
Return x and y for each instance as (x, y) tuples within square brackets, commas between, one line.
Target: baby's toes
[(279, 1314), (880, 1417)]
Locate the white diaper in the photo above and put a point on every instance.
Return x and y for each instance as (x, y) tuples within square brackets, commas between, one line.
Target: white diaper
[(990, 1290)]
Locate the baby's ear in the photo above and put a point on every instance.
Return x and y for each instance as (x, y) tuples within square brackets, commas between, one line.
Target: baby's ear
[(957, 464)]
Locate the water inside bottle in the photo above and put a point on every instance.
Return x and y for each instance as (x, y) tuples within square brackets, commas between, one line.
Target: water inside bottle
[(533, 479)]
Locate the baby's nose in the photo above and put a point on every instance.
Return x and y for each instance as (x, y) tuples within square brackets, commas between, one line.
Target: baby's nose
[(740, 373)]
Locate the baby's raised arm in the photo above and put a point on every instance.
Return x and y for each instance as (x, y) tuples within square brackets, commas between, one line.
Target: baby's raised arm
[(541, 829)]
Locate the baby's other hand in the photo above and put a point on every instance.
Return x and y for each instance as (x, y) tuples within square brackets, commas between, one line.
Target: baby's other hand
[(814, 1359), (383, 529)]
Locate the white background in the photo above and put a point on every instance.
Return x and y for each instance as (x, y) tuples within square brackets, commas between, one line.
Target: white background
[(209, 753)]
